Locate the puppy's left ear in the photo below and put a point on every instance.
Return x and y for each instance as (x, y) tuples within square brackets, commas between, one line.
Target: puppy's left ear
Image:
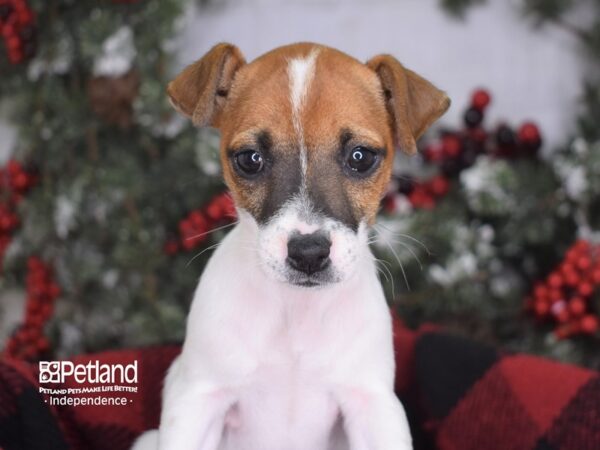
[(200, 91), (412, 101)]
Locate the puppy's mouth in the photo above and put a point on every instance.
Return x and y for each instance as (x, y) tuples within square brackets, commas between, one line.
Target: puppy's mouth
[(314, 280)]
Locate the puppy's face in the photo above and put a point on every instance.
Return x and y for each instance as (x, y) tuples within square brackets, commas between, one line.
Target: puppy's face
[(308, 136)]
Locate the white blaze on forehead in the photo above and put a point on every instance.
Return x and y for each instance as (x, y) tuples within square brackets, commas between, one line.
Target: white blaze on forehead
[(301, 72)]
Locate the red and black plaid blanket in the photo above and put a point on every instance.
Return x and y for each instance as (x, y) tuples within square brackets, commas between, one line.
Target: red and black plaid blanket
[(459, 395)]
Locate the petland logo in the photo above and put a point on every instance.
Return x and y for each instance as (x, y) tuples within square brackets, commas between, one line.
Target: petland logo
[(64, 383), (91, 373)]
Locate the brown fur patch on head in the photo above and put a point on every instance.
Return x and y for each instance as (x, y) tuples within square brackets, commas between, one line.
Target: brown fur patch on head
[(345, 109)]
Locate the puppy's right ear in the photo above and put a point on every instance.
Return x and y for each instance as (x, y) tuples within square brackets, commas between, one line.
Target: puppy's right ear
[(200, 91), (412, 101)]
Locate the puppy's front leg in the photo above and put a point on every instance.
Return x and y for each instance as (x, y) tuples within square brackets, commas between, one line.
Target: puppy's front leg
[(374, 419), (193, 414)]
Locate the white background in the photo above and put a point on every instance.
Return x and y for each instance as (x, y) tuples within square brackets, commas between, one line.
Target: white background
[(532, 74)]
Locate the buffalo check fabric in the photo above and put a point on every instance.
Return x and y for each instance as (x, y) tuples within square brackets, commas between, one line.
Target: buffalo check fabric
[(479, 398), (459, 395)]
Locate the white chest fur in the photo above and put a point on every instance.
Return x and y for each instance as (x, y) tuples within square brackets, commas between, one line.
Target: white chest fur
[(268, 366)]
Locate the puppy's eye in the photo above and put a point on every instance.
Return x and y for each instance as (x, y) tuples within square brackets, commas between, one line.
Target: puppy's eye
[(361, 159), (250, 162)]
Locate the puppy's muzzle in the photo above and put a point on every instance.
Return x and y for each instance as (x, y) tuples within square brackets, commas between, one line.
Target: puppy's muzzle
[(309, 253)]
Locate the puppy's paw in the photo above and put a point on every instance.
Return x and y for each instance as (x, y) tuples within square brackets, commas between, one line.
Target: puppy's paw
[(147, 441)]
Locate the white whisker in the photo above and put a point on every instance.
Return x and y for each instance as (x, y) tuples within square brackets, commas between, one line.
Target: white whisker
[(200, 253), (212, 231), (397, 259), (409, 248), (408, 236), (385, 264)]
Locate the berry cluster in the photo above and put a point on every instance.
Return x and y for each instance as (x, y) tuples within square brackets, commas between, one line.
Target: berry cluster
[(566, 297), (457, 150), (29, 341), (195, 228), (17, 23), (422, 195), (15, 181)]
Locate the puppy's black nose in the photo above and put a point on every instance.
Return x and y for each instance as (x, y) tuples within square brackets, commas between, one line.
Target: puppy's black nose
[(308, 253)]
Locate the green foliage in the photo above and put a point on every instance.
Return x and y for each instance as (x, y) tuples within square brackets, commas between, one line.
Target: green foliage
[(507, 224), (110, 193), (470, 262)]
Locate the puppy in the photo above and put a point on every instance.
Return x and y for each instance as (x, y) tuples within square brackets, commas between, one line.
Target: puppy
[(289, 339)]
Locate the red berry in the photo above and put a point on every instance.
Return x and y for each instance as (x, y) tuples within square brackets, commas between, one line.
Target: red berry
[(451, 146), (577, 306), (529, 133), (11, 346), (33, 263), (35, 321), (572, 255), (25, 16), (28, 352), (53, 290), (46, 311), (185, 227), (439, 185), (9, 30), (541, 291), (584, 263), (567, 267), (555, 295), (564, 331), (581, 245), (562, 316), (42, 344), (389, 203), (585, 289), (596, 275), (214, 211), (433, 154), (478, 135), (32, 308), (541, 308), (481, 99), (555, 280), (572, 279), (419, 198), (13, 43), (31, 333), (171, 247), (20, 181), (188, 244), (589, 324), (198, 221), (8, 221)]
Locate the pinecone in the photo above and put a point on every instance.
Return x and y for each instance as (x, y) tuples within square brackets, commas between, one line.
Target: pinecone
[(111, 98)]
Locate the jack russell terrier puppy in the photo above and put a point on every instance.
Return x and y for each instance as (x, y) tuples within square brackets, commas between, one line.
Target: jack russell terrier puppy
[(289, 338)]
